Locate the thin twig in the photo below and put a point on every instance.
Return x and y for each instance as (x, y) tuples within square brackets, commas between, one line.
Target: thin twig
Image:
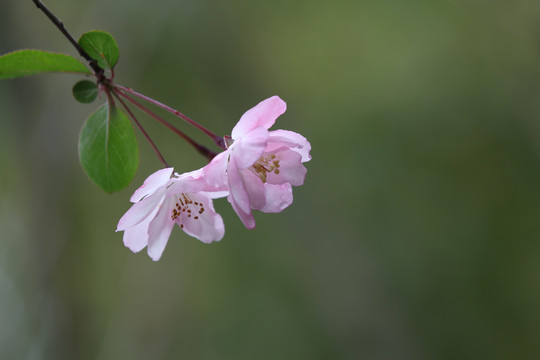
[(152, 144), (217, 139), (209, 154), (98, 70)]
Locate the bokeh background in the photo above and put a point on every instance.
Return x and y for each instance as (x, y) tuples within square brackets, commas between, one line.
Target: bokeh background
[(415, 236)]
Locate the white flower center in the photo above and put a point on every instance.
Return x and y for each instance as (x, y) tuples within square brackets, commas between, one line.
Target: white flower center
[(187, 206)]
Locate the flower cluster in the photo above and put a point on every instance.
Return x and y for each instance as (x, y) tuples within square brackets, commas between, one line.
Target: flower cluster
[(255, 172)]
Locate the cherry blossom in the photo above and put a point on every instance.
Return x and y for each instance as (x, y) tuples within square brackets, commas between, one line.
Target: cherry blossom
[(163, 201), (259, 166)]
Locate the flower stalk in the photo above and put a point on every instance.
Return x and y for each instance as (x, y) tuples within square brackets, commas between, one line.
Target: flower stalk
[(217, 139), (209, 154), (143, 131)]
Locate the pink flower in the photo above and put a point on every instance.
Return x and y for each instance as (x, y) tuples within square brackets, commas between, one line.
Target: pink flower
[(259, 166), (163, 201)]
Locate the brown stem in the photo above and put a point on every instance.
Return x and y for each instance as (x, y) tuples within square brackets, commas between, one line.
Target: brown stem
[(209, 154), (98, 70), (132, 116), (217, 139)]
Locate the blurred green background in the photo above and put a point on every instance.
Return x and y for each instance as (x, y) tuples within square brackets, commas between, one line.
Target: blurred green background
[(415, 236)]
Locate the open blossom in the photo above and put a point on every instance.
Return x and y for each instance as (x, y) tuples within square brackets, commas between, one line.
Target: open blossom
[(259, 166), (163, 201)]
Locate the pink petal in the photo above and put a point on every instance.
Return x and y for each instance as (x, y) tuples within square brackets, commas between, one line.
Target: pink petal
[(249, 147), (186, 185), (136, 237), (217, 194), (215, 173), (141, 210), (195, 174), (206, 226), (191, 185), (160, 229), (211, 179), (247, 218), (290, 139), (237, 190), (263, 114), (290, 168), (238, 196), (151, 184), (278, 197), (254, 188)]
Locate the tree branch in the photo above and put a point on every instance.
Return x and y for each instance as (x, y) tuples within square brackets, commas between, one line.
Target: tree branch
[(98, 71)]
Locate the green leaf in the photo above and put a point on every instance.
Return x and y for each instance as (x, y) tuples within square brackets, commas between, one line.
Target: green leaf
[(102, 47), (32, 62), (108, 148), (85, 91)]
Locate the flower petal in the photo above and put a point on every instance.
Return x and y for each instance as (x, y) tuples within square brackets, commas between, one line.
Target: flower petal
[(290, 139), (290, 168), (160, 229), (263, 114), (237, 190), (185, 184), (136, 237), (238, 196), (205, 225), (278, 197), (151, 184), (194, 174), (215, 173), (254, 188), (247, 218), (140, 210), (190, 185), (249, 147), (217, 194)]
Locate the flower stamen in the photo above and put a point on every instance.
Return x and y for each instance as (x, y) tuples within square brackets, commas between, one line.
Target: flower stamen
[(184, 205), (264, 165)]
